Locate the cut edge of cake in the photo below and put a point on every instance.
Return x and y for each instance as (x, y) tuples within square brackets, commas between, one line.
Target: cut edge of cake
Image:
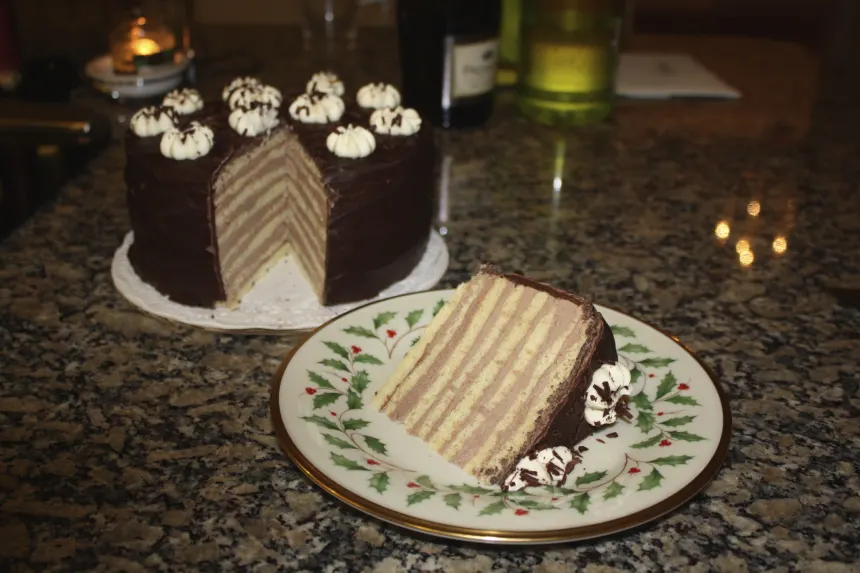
[(538, 381)]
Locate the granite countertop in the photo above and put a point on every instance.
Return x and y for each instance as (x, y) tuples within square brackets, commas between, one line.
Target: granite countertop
[(128, 443)]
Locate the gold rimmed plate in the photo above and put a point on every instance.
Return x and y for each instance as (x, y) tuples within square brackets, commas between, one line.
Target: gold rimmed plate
[(632, 472)]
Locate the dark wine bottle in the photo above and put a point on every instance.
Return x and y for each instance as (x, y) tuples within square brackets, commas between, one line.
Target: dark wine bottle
[(448, 54)]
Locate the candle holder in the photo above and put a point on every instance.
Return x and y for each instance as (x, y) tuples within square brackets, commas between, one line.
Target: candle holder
[(147, 57), (141, 42)]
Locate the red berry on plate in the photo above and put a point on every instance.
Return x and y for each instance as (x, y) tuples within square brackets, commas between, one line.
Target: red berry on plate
[(311, 391), (651, 375), (344, 380), (683, 387), (521, 512), (332, 413), (634, 471), (659, 413), (665, 443), (412, 484), (356, 349), (372, 463), (391, 333)]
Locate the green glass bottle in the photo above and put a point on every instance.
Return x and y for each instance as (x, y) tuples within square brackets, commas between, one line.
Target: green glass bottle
[(568, 59)]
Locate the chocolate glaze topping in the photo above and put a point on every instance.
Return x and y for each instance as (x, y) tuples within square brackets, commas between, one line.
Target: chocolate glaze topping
[(380, 208)]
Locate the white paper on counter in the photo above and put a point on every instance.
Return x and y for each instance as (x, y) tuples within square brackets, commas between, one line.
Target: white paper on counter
[(662, 76)]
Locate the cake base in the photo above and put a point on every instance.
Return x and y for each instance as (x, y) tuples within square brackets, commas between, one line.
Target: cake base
[(283, 300)]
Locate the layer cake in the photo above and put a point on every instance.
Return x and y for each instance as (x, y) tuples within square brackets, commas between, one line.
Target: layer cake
[(220, 191), (508, 377)]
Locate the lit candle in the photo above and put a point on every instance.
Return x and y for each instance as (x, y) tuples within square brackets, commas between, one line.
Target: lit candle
[(144, 47)]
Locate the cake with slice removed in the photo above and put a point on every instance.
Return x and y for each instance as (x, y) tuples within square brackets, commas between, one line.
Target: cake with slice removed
[(508, 377)]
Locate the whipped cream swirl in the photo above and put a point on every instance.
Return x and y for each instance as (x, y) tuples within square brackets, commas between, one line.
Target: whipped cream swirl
[(395, 121), (325, 83), (152, 120), (549, 466), (237, 83), (609, 384), (352, 142), (317, 108), (378, 95), (190, 143), (253, 121), (183, 101), (258, 94)]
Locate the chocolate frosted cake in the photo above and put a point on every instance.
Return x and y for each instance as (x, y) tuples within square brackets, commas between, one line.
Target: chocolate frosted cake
[(218, 192), (507, 379)]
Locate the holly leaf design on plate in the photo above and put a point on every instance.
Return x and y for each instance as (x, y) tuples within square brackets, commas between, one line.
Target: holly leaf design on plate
[(645, 421), (383, 318), (590, 477), (614, 490), (685, 436), (635, 348), (666, 384), (657, 362), (679, 421), (623, 331), (319, 380), (323, 422), (355, 424), (641, 401), (379, 481), (347, 463), (439, 304), (634, 375), (536, 505), (494, 508), (471, 489), (651, 481), (338, 349), (453, 500), (321, 400), (353, 400), (336, 364), (335, 441), (359, 381), (375, 444), (367, 359), (671, 461), (580, 502), (360, 331), (682, 400), (425, 481), (419, 496), (413, 317), (648, 443), (414, 342)]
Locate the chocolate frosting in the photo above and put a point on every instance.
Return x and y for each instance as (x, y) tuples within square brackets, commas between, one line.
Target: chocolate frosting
[(566, 425), (380, 208)]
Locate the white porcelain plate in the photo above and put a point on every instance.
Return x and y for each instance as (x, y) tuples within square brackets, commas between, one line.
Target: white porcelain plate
[(633, 472), (282, 300)]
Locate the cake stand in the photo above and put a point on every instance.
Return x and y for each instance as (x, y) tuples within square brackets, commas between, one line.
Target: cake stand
[(281, 301)]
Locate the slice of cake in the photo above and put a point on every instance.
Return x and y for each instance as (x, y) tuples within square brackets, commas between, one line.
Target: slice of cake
[(508, 377), (220, 191)]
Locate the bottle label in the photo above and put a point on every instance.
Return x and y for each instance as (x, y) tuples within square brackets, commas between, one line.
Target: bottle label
[(470, 68)]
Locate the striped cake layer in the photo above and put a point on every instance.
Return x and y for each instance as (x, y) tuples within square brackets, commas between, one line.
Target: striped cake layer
[(250, 203), (307, 221), (477, 384)]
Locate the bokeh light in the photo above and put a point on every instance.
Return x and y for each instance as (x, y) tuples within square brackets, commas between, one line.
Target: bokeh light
[(722, 230), (754, 208), (780, 245), (746, 258), (743, 246)]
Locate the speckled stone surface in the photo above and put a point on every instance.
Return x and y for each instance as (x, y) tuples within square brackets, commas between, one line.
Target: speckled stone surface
[(132, 444)]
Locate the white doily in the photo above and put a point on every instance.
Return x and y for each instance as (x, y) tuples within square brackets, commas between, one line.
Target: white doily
[(282, 300)]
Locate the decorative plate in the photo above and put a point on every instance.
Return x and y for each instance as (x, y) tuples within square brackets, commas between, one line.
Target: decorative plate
[(281, 301), (632, 473)]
